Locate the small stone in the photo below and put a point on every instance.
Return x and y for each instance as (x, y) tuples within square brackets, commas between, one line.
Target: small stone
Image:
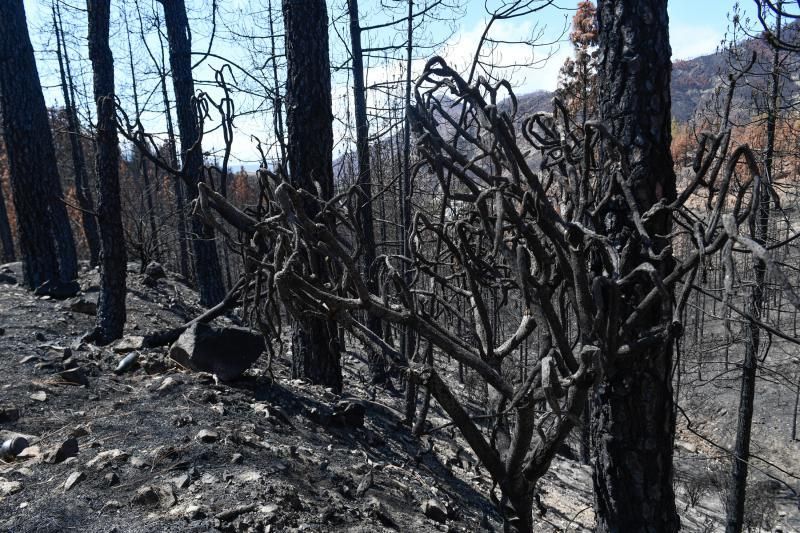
[(230, 514), (207, 436), (365, 484), (381, 513), (39, 396), (249, 476), (30, 452), (237, 458), (111, 479), (25, 471), (9, 487), (349, 414), (67, 449), (80, 431), (189, 512), (435, 510), (129, 343), (8, 415), (145, 496), (138, 462), (167, 384), (182, 481), (103, 459), (166, 496), (73, 479), (112, 504), (82, 305), (155, 270), (74, 375)]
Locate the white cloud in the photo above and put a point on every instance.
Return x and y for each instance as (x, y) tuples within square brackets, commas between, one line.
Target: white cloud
[(689, 41), (526, 45)]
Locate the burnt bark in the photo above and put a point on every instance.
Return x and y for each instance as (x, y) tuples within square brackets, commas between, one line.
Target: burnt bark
[(376, 362), (315, 342), (47, 247), (632, 406), (6, 238), (737, 493), (113, 259), (206, 259)]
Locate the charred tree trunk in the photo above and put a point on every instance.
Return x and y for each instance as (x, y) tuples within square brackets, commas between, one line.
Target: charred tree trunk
[(737, 491), (45, 237), (315, 344), (377, 366), (141, 164), (113, 259), (6, 238), (183, 248), (82, 192), (632, 417), (407, 337), (206, 259)]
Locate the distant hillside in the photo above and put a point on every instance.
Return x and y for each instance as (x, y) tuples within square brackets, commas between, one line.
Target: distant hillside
[(694, 81)]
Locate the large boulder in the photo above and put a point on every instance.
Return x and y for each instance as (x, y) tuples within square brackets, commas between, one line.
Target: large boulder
[(155, 270), (226, 352)]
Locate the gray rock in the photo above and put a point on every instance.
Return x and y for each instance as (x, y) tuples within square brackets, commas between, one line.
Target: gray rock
[(349, 414), (365, 484), (382, 514), (9, 487), (226, 352), (73, 479), (434, 510), (105, 458), (58, 290), (8, 415), (74, 375), (39, 396), (129, 343), (67, 449), (84, 306), (111, 479), (167, 384), (148, 496), (138, 462), (155, 271), (145, 496), (208, 436), (182, 481)]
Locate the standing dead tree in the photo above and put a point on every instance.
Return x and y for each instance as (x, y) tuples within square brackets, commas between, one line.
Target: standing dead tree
[(532, 237)]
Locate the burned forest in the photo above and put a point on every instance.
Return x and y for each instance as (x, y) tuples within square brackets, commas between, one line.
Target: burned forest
[(400, 265)]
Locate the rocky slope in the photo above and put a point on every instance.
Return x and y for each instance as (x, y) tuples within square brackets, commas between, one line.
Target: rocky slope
[(163, 448)]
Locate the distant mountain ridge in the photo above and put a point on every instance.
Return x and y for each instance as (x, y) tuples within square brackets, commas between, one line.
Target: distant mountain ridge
[(695, 81)]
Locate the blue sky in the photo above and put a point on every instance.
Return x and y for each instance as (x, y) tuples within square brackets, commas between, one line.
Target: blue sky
[(696, 28)]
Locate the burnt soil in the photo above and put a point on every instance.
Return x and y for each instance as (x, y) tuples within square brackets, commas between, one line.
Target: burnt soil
[(273, 461)]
